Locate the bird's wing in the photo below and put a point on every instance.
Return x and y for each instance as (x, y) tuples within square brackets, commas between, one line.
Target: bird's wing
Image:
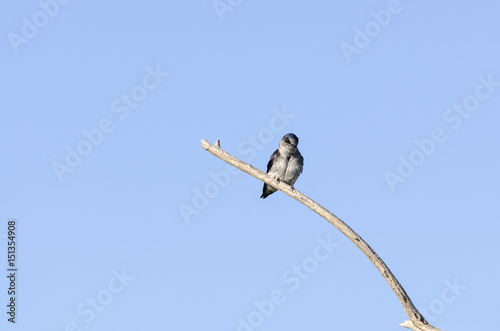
[(271, 160), (301, 162)]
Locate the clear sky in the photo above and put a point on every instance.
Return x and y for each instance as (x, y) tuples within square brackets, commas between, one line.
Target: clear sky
[(123, 221)]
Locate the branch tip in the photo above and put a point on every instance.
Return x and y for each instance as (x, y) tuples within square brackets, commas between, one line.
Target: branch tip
[(205, 144)]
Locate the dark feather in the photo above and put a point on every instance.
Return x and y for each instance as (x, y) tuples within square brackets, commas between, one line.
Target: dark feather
[(265, 191), (271, 159)]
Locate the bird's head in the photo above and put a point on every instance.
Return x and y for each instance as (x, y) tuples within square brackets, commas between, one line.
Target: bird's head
[(289, 142)]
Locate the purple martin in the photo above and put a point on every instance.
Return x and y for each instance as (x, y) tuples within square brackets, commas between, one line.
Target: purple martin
[(285, 164)]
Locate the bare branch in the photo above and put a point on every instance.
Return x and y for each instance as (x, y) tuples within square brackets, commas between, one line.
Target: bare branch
[(417, 321)]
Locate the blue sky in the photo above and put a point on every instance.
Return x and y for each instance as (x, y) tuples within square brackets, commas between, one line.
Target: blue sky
[(123, 221)]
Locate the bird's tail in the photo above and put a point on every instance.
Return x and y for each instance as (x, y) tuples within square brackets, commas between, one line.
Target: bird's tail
[(267, 191)]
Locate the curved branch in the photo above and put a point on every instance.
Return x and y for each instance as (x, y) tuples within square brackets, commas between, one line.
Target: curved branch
[(417, 321)]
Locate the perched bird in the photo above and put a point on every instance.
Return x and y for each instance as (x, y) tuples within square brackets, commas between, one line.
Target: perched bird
[(285, 164)]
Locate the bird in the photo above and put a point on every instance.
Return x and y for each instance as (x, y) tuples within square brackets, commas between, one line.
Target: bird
[(285, 164)]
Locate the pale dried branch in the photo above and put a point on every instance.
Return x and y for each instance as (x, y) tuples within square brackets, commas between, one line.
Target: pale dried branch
[(417, 321)]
